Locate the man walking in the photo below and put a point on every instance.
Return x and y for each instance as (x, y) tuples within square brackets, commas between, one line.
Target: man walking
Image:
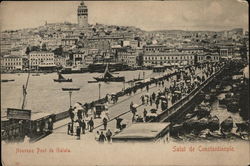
[(102, 138), (83, 125), (91, 125), (108, 135), (105, 122)]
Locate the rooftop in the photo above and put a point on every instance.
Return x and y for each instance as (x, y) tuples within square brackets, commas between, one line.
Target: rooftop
[(142, 131)]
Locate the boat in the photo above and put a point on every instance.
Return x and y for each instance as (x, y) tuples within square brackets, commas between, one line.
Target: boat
[(214, 123), (7, 80), (202, 110), (243, 126), (227, 124), (108, 77), (233, 107), (135, 79), (100, 67), (70, 89), (62, 79)]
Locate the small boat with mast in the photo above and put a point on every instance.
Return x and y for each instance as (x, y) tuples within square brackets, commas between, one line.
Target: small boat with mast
[(108, 77), (135, 79), (62, 79)]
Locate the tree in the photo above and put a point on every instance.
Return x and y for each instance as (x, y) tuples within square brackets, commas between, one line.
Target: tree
[(27, 51), (139, 59), (35, 48), (58, 51), (44, 47)]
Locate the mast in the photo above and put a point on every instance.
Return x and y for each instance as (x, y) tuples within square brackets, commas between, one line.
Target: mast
[(25, 88), (60, 77), (25, 91), (107, 73)]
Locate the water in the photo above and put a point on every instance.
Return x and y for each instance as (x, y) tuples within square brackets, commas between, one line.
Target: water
[(45, 95)]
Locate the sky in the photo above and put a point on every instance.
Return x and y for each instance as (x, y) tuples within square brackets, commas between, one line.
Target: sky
[(148, 15)]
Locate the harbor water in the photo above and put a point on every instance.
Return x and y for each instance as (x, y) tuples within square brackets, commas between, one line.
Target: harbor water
[(45, 95)]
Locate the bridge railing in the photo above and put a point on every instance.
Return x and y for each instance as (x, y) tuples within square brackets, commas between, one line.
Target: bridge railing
[(179, 104)]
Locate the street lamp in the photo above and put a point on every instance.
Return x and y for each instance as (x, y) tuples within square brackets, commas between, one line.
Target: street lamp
[(70, 90), (123, 85)]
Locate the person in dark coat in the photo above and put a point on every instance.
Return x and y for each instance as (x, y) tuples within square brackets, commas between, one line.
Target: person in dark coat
[(145, 114), (157, 103), (131, 105), (83, 125), (69, 128), (118, 123), (150, 101), (153, 96), (78, 132), (102, 138), (72, 128), (91, 125), (142, 99), (109, 135), (79, 114), (147, 87), (105, 122)]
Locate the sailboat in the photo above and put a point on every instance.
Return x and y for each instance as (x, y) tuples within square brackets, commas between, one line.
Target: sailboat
[(62, 79), (135, 79), (108, 77)]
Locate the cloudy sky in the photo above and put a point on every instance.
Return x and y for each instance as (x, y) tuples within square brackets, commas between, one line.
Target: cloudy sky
[(148, 15)]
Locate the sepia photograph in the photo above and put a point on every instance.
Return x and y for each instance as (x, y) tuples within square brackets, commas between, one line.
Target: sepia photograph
[(125, 83)]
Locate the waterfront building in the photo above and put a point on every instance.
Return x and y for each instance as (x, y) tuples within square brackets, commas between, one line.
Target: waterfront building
[(60, 61), (192, 50), (89, 59), (128, 56), (226, 51), (201, 58), (12, 62), (162, 55), (41, 60), (78, 58), (167, 58), (82, 15)]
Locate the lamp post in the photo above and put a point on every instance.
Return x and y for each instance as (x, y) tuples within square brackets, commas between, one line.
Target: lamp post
[(70, 94), (123, 85), (99, 85), (70, 90)]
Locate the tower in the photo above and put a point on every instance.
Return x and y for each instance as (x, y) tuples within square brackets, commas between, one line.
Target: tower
[(82, 15)]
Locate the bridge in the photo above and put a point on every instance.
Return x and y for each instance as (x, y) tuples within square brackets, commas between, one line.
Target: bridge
[(186, 103)]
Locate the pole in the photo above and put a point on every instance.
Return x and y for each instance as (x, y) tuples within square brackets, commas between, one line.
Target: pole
[(70, 93), (99, 85), (123, 85)]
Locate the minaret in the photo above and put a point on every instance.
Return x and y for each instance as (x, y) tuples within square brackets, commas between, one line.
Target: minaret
[(82, 15)]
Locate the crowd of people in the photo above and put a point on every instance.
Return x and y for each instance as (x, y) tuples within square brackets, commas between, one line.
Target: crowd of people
[(172, 88), (179, 87)]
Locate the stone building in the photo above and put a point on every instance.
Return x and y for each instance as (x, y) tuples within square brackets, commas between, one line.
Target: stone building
[(82, 15)]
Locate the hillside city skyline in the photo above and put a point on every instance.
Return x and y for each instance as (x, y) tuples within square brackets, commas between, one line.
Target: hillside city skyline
[(63, 12)]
